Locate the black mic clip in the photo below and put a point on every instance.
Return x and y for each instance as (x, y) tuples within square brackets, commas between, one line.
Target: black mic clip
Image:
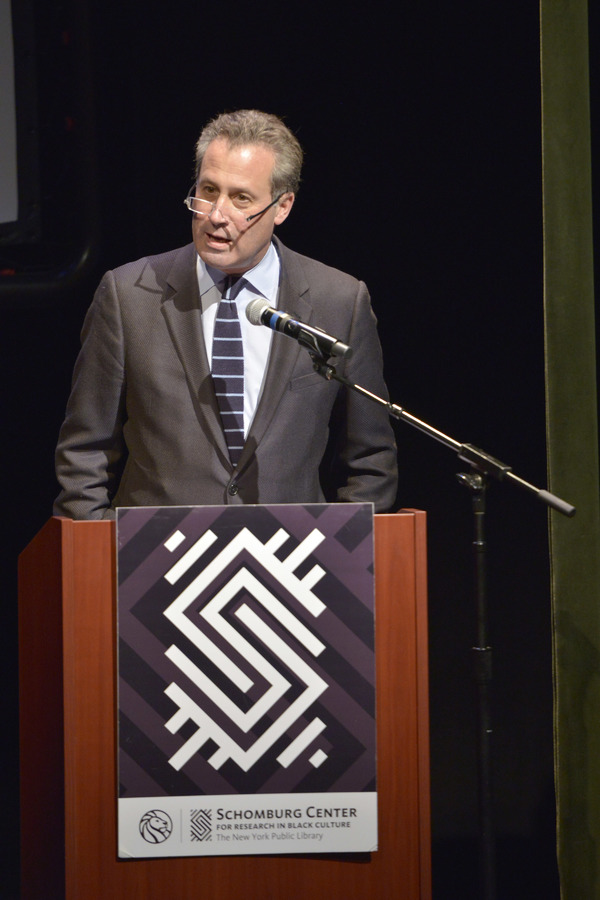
[(321, 366)]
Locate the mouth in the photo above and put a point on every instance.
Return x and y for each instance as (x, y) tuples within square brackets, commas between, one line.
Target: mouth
[(217, 240)]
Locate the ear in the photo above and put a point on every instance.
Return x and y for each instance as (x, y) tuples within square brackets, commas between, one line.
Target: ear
[(284, 207)]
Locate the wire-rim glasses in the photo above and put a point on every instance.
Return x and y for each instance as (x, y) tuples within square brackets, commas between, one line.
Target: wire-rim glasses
[(205, 207)]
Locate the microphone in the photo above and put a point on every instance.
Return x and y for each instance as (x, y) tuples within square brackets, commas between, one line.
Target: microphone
[(258, 312)]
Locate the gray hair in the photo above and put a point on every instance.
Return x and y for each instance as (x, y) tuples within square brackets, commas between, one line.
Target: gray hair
[(250, 126)]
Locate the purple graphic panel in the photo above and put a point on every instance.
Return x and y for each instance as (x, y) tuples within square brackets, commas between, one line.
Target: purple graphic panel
[(246, 651)]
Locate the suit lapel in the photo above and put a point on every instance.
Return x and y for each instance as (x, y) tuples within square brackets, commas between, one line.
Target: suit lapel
[(293, 298), (182, 312)]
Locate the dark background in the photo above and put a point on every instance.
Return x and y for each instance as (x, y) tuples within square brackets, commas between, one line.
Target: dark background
[(421, 127)]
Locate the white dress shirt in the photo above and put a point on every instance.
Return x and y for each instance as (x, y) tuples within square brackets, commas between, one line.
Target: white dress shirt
[(261, 281)]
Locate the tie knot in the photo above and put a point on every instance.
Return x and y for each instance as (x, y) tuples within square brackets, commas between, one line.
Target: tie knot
[(229, 285)]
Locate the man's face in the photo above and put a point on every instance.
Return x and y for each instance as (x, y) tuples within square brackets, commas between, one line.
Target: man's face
[(238, 181)]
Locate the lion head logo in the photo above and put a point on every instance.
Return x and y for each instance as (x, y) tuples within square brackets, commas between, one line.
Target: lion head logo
[(155, 826)]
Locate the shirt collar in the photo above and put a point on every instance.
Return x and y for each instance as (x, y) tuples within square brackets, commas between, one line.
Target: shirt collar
[(263, 278)]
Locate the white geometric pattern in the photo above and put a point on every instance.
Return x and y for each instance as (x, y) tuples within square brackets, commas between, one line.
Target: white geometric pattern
[(212, 613)]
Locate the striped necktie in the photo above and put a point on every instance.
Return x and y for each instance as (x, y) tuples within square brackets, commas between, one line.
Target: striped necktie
[(228, 370)]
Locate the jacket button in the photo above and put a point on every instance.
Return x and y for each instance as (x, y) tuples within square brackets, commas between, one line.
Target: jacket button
[(232, 489)]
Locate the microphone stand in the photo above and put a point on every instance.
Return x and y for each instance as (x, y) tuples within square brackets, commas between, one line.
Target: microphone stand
[(482, 467)]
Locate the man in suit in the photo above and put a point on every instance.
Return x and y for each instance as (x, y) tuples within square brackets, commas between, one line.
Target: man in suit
[(145, 425)]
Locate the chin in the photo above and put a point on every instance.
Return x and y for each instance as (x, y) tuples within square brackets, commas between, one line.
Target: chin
[(217, 258)]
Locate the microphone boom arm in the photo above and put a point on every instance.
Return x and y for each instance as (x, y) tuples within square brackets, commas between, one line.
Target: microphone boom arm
[(478, 459)]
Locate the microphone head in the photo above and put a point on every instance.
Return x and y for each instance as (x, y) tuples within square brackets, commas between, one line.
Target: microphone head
[(255, 309)]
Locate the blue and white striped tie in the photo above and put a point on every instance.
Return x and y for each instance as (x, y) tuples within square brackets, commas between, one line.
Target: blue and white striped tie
[(228, 371)]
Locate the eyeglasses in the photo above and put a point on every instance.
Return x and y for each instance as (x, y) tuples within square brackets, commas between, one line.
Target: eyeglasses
[(206, 207)]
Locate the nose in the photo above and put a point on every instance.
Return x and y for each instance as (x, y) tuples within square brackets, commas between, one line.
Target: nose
[(217, 214)]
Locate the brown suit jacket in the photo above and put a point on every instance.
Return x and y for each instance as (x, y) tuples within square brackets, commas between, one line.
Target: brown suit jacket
[(142, 426)]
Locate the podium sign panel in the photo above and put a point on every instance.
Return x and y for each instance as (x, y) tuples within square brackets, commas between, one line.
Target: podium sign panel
[(246, 680)]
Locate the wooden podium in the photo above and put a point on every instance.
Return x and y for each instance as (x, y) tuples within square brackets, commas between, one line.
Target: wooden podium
[(68, 742)]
